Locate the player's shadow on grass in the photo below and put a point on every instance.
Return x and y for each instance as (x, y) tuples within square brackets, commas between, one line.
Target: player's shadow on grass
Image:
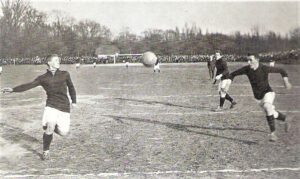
[(185, 128), (15, 134), (163, 103)]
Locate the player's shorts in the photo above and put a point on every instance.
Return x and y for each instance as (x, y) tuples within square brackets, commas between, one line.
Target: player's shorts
[(156, 67), (268, 98), (54, 117), (224, 85), (272, 64), (77, 65)]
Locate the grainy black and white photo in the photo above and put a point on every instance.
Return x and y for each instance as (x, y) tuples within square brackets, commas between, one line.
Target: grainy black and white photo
[(149, 89)]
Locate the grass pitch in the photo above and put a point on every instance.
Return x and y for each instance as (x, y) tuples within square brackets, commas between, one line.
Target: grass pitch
[(133, 123)]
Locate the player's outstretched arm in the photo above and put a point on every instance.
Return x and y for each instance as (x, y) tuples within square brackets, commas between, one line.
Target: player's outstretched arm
[(26, 86), (6, 90), (241, 71), (282, 72)]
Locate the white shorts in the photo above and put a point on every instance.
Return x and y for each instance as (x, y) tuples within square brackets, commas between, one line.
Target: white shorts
[(268, 98), (156, 67), (53, 117), (77, 64), (224, 85)]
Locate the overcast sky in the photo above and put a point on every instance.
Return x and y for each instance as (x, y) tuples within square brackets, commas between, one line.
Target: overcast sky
[(218, 16)]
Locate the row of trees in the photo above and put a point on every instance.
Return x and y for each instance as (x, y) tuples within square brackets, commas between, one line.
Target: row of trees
[(27, 32)]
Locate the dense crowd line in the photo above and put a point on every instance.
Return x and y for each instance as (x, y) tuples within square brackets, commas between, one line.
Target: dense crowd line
[(291, 56)]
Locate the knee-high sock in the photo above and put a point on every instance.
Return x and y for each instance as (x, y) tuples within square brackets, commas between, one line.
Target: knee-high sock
[(271, 122), (280, 117), (222, 100), (229, 98), (47, 141), (56, 130)]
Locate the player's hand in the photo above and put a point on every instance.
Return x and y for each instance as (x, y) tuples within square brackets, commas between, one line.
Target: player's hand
[(74, 105), (7, 90), (218, 77), (288, 85)]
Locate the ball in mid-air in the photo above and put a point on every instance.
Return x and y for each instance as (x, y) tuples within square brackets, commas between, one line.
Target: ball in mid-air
[(149, 59)]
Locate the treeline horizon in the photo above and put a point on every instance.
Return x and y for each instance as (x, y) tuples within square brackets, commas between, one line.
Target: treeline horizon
[(27, 32)]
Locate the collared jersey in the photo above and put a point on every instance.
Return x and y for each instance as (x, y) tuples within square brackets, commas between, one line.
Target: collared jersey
[(222, 68), (258, 78), (56, 86)]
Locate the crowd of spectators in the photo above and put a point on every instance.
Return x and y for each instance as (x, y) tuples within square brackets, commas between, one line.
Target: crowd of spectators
[(287, 57), (291, 56)]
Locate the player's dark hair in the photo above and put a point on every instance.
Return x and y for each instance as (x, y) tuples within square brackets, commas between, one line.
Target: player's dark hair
[(49, 57), (254, 54)]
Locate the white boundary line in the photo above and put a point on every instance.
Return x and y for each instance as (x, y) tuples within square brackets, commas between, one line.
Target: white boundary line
[(202, 112), (172, 96), (213, 95), (253, 170)]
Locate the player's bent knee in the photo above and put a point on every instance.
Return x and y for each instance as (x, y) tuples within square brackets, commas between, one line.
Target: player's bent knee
[(223, 93), (49, 129), (62, 133), (268, 107)]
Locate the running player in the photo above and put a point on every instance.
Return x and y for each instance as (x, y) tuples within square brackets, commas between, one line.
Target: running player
[(77, 65), (156, 66), (223, 75), (272, 63), (258, 76), (211, 65), (127, 63), (56, 116)]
